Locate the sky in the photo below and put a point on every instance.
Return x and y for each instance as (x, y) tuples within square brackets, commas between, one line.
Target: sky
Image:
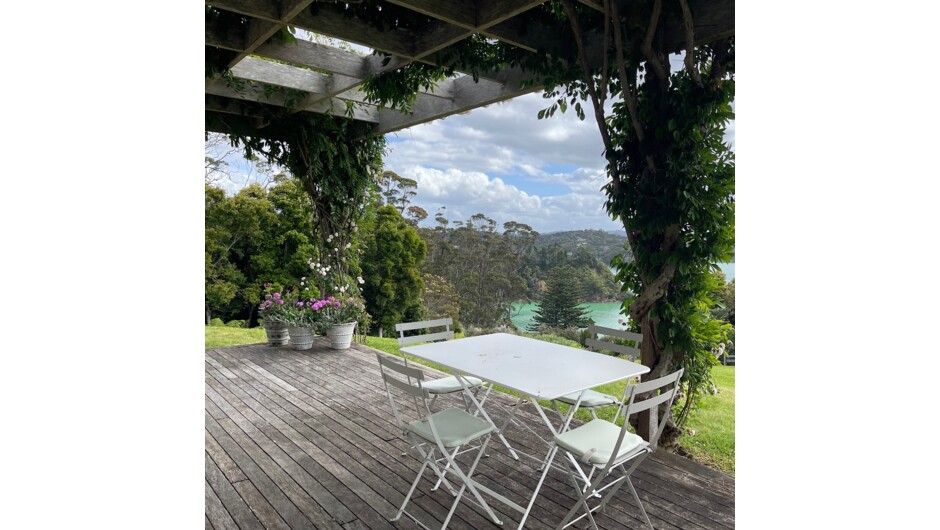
[(504, 162)]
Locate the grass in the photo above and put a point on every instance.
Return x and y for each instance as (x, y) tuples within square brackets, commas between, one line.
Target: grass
[(223, 337), (713, 424), (713, 421)]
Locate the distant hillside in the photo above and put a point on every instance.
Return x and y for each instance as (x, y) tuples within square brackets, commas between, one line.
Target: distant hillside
[(603, 244)]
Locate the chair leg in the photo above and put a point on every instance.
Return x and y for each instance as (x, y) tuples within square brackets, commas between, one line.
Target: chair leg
[(410, 492), (638, 502), (626, 474), (582, 498), (437, 471), (444, 471), (467, 484)]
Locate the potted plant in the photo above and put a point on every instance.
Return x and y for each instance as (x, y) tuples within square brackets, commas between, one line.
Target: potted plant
[(339, 317), (272, 311), (301, 318)]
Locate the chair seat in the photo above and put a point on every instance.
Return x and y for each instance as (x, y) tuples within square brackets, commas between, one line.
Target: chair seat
[(449, 384), (591, 399), (454, 426), (594, 442)]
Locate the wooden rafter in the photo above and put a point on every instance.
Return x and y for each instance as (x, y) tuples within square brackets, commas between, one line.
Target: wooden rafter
[(330, 78)]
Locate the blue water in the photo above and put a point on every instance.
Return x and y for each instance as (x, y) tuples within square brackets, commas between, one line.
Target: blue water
[(604, 314)]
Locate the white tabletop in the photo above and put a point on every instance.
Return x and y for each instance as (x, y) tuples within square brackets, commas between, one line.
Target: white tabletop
[(533, 367)]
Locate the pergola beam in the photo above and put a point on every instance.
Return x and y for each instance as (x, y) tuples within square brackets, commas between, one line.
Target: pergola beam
[(259, 31), (332, 106), (467, 95), (331, 77)]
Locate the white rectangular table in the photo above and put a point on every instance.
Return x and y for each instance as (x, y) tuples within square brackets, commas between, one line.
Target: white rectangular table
[(534, 368)]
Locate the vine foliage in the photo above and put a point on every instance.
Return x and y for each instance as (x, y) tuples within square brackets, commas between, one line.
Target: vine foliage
[(337, 162)]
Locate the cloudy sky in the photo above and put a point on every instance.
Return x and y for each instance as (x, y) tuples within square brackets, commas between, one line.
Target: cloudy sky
[(503, 162)]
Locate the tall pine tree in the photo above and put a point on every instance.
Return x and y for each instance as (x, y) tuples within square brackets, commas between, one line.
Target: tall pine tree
[(560, 305)]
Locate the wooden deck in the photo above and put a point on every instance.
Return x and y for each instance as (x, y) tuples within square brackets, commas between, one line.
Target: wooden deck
[(306, 440)]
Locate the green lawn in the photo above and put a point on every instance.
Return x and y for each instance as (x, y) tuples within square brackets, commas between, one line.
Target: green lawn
[(713, 422), (222, 337)]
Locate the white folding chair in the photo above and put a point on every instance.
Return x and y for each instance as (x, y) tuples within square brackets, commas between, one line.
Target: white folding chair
[(448, 384), (592, 399), (605, 447), (442, 432), (445, 385)]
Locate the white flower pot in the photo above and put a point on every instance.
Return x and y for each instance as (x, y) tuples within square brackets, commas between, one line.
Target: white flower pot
[(277, 333), (301, 338), (341, 335)]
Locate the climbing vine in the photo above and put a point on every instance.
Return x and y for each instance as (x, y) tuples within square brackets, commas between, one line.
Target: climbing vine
[(337, 161)]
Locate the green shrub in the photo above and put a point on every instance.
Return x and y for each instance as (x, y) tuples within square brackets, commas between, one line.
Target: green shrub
[(572, 334), (235, 324), (216, 322), (553, 339)]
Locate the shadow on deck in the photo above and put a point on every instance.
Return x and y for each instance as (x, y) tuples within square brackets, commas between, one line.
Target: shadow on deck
[(305, 439)]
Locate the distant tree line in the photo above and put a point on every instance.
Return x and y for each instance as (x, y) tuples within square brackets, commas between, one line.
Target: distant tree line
[(471, 270)]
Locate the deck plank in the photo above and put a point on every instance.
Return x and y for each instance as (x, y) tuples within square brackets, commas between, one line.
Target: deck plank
[(294, 479), (233, 502), (305, 439)]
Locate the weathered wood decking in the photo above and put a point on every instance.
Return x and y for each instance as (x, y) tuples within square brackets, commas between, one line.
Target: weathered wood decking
[(306, 440)]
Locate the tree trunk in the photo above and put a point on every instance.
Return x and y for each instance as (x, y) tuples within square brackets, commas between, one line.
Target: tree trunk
[(659, 359), (208, 314)]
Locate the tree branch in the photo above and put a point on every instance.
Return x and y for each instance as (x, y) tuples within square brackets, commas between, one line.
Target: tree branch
[(720, 60), (651, 58), (588, 78), (657, 288), (626, 85), (606, 67), (652, 292), (689, 42)]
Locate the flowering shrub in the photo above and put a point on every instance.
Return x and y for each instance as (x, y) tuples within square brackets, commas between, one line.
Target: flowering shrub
[(273, 307), (335, 281)]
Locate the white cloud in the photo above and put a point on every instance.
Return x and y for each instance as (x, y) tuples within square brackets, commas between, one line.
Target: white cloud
[(501, 138), (547, 173), (465, 193)]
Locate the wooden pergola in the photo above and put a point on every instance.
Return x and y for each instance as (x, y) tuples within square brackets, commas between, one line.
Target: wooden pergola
[(241, 39)]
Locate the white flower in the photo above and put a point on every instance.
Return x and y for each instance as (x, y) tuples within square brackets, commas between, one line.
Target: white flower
[(327, 269), (361, 281), (302, 278), (348, 245)]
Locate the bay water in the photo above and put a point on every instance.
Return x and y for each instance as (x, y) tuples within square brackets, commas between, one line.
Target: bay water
[(604, 314)]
